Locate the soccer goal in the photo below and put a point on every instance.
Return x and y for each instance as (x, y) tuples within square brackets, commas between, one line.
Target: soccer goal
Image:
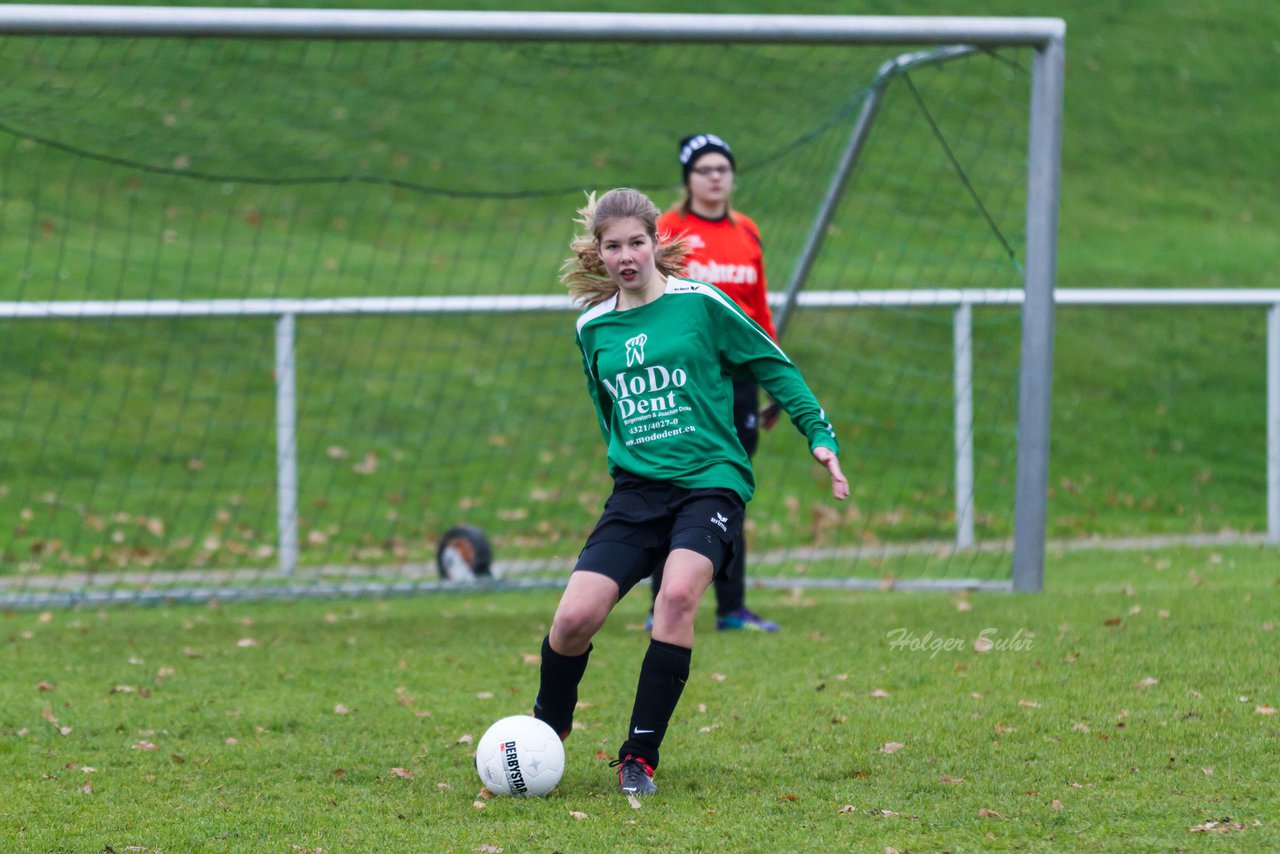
[(280, 301)]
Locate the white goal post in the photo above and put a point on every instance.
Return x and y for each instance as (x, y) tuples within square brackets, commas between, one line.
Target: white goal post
[(1044, 37)]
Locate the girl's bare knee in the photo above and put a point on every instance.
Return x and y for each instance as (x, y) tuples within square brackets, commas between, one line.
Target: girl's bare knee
[(573, 628)]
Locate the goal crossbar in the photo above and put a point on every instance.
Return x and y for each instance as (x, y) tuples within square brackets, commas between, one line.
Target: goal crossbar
[(30, 19)]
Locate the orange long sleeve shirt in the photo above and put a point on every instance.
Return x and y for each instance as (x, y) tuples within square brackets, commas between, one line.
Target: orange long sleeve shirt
[(727, 253)]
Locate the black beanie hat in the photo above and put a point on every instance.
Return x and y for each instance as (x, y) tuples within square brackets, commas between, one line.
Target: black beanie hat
[(693, 147)]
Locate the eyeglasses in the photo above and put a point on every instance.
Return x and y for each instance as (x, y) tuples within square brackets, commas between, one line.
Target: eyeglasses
[(706, 171)]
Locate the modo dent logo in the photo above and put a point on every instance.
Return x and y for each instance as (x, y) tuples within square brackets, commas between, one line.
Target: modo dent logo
[(642, 392), (635, 350)]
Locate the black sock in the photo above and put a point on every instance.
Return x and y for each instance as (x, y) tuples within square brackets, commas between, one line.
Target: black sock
[(662, 677), (558, 688)]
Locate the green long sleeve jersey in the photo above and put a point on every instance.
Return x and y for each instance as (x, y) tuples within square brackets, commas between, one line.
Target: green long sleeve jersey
[(661, 378)]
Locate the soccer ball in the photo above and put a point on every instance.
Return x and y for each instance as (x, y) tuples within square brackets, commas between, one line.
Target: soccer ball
[(521, 756)]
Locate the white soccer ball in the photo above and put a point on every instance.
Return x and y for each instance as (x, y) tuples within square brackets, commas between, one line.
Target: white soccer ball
[(520, 756)]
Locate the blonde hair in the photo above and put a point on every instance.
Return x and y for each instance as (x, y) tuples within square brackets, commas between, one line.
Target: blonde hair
[(584, 274)]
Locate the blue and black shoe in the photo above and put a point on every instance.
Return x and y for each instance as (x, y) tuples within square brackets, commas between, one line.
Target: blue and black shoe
[(744, 619)]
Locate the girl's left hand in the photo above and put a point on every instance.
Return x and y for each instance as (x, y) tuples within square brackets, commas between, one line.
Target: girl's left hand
[(839, 485)]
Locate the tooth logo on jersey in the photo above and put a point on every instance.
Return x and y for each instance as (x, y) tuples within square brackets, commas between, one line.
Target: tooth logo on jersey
[(635, 350)]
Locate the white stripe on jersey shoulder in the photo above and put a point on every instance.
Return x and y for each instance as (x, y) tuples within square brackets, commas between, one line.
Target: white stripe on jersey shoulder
[(689, 286), (595, 311)]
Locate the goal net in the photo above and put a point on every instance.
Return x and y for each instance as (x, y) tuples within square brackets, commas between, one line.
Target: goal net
[(280, 311)]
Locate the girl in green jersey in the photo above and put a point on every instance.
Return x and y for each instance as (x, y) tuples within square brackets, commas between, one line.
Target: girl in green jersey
[(660, 355)]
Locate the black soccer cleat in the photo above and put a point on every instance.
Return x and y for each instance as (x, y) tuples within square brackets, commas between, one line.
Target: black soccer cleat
[(635, 777)]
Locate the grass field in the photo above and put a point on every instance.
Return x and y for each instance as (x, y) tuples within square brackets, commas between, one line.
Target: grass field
[(1132, 706)]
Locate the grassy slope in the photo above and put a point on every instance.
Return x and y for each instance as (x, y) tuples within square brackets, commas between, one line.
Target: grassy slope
[(1166, 182), (1167, 178)]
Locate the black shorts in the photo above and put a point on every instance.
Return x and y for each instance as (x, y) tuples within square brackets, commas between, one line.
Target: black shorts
[(645, 520)]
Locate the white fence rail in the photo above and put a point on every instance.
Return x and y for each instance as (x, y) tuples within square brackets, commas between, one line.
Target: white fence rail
[(286, 311)]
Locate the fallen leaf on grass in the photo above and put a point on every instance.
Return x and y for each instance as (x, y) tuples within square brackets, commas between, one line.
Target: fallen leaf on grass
[(478, 805), (490, 849), (1057, 805), (577, 816), (1222, 825), (880, 692), (86, 787), (144, 745), (634, 801), (983, 812), (47, 714), (891, 747), (402, 773), (1147, 682), (45, 686), (1029, 704), (947, 778), (848, 808), (340, 709), (245, 643), (465, 739), (1264, 710)]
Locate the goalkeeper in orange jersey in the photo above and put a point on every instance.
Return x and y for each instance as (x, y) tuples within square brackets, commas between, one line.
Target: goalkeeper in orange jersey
[(658, 352), (724, 250)]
